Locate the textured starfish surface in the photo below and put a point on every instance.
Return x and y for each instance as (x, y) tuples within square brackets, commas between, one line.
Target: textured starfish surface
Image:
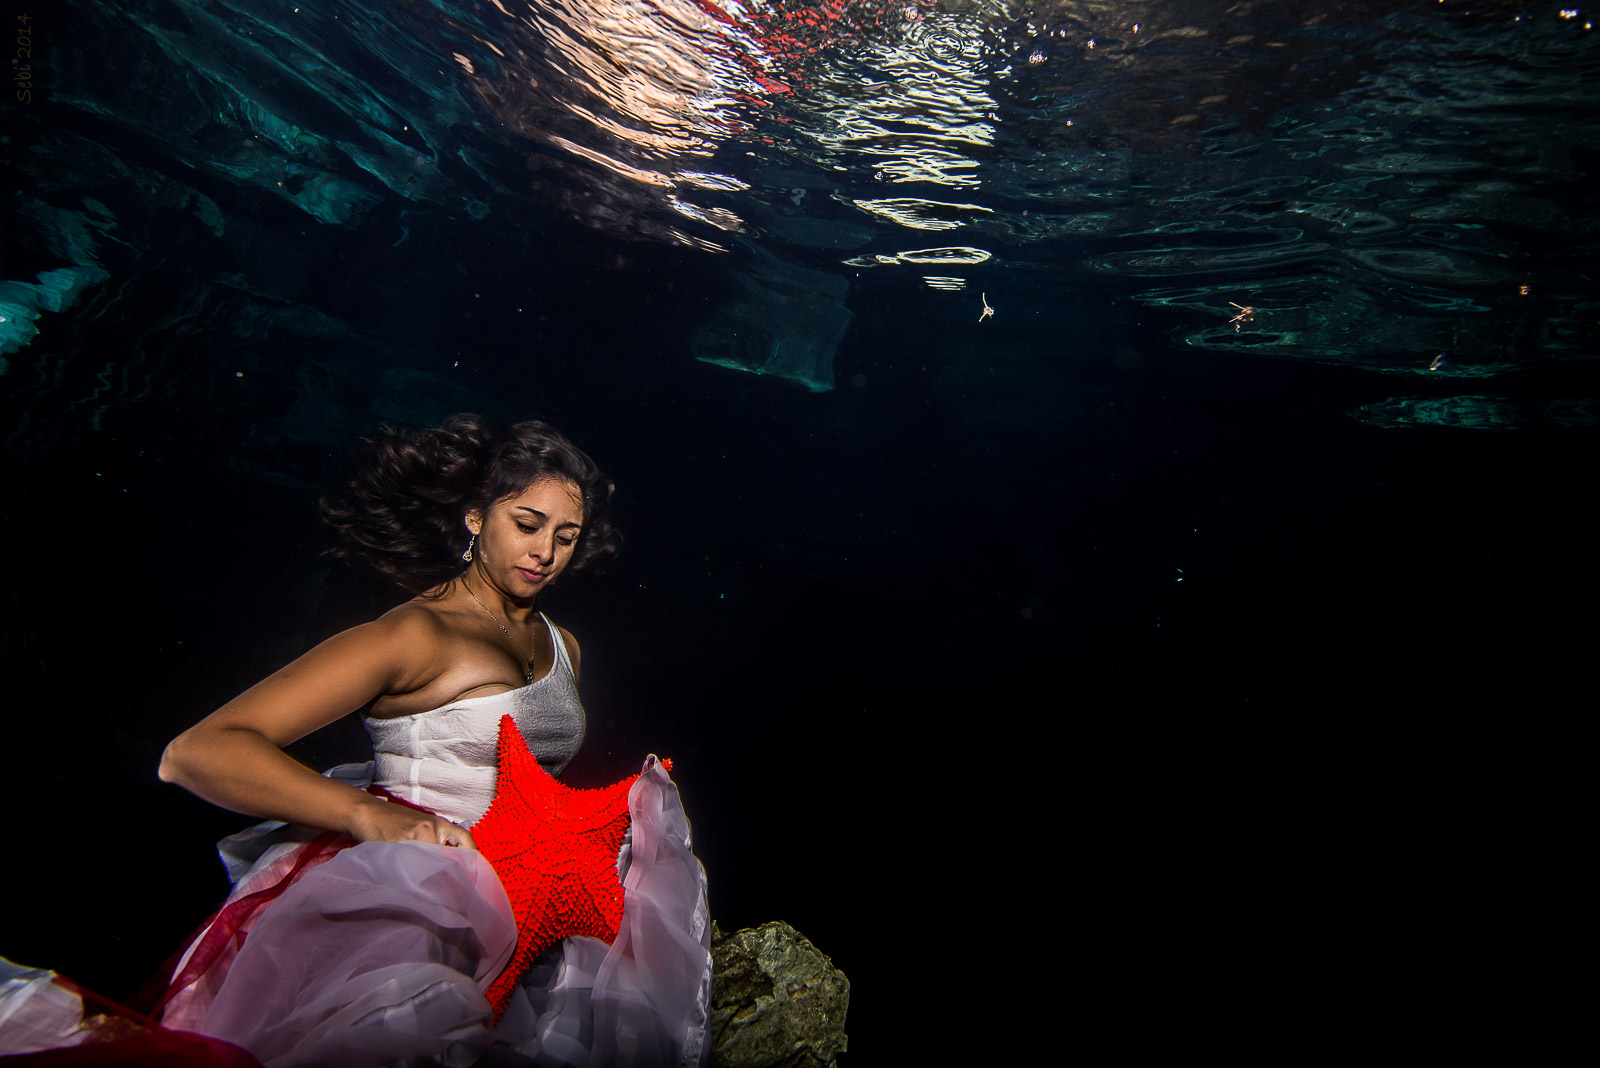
[(555, 850)]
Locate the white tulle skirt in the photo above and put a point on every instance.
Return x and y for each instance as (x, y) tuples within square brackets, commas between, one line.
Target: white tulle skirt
[(380, 955)]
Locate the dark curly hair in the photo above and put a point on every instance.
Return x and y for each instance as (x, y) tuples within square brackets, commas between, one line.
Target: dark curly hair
[(404, 512)]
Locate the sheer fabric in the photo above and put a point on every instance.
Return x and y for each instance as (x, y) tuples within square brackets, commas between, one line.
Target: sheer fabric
[(379, 954)]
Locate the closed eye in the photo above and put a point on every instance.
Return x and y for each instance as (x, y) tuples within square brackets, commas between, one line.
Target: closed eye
[(565, 539)]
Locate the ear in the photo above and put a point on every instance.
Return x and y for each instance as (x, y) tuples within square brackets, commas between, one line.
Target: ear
[(475, 522)]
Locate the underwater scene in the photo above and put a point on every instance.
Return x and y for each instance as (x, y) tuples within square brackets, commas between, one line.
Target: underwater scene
[(1101, 482)]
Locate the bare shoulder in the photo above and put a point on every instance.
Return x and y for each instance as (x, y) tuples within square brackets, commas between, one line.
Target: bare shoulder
[(342, 674), (401, 641), (408, 631), (420, 633), (417, 620)]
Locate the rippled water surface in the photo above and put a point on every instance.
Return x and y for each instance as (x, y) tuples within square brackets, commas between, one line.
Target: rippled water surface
[(1380, 184)]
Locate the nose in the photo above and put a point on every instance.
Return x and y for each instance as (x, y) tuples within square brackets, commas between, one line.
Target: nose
[(544, 550)]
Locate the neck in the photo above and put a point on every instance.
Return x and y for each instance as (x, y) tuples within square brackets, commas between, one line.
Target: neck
[(509, 608)]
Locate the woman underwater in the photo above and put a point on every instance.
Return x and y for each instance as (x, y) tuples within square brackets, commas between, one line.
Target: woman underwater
[(381, 951)]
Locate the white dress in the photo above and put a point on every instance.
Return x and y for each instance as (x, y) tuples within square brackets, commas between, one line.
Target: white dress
[(379, 954)]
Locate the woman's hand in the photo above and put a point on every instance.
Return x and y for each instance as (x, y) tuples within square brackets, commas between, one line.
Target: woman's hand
[(383, 821)]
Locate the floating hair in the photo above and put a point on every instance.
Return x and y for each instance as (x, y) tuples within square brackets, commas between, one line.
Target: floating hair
[(404, 512)]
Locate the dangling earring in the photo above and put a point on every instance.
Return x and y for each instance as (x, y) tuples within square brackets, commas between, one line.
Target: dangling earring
[(466, 557)]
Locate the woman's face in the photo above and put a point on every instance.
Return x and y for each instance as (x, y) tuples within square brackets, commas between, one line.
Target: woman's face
[(525, 541)]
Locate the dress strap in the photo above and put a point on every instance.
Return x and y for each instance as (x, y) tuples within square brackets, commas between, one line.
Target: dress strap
[(560, 645)]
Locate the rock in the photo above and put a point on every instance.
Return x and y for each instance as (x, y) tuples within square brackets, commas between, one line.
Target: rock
[(776, 1000)]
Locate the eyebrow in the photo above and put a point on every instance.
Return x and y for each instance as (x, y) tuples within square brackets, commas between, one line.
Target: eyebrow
[(541, 515)]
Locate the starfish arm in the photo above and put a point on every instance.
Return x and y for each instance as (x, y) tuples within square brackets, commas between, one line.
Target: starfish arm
[(555, 851)]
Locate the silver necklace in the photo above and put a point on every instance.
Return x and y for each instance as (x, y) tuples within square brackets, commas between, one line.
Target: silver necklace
[(528, 674)]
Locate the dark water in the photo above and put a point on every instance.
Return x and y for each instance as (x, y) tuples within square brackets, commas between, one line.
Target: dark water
[(1101, 659)]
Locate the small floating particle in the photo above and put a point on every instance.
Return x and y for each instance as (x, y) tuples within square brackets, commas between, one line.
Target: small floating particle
[(1438, 362)]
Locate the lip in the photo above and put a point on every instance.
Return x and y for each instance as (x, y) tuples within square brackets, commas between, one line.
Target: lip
[(532, 576)]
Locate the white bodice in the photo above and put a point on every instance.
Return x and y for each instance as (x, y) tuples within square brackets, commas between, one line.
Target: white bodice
[(444, 759)]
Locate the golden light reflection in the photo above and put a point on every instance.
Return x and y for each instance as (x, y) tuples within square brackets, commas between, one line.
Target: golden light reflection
[(925, 121), (946, 255), (659, 66), (649, 90), (955, 254), (614, 165), (645, 90), (922, 214)]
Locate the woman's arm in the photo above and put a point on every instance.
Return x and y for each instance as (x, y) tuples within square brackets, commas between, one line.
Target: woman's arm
[(234, 757)]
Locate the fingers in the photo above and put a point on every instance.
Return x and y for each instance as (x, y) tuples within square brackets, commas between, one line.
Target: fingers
[(394, 823), (449, 834)]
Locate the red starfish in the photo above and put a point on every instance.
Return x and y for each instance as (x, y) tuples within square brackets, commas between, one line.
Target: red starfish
[(555, 851)]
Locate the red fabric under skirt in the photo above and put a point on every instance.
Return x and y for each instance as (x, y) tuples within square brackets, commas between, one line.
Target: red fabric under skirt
[(39, 1011)]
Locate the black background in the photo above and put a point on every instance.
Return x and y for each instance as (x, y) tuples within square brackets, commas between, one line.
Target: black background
[(935, 691)]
